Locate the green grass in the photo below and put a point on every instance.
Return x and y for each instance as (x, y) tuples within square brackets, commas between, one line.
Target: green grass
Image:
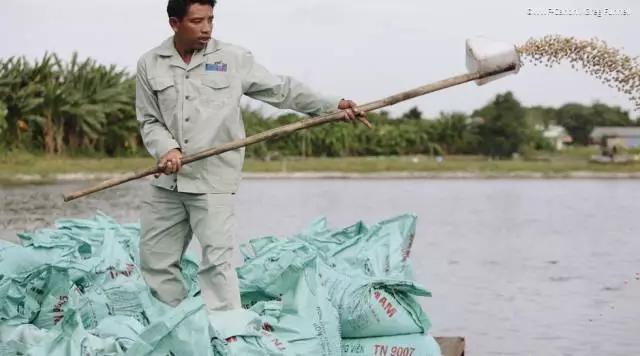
[(570, 160), (46, 167), (428, 164), (24, 163)]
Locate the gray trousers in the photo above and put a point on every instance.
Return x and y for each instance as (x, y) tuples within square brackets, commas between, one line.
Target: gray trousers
[(168, 221)]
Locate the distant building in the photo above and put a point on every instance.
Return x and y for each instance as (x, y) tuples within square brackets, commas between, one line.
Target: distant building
[(556, 135), (476, 120), (616, 136)]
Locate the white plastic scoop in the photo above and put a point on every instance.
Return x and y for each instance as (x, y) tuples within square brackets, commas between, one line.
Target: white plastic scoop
[(486, 56)]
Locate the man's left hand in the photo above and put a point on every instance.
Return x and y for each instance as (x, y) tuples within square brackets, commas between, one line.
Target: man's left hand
[(351, 112)]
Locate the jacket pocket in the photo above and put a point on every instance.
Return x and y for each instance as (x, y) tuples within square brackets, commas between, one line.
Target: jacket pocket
[(216, 88), (165, 89)]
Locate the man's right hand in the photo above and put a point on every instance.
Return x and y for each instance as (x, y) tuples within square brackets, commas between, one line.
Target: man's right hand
[(170, 163)]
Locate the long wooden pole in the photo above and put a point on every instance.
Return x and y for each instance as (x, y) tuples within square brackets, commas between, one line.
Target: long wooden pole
[(296, 126)]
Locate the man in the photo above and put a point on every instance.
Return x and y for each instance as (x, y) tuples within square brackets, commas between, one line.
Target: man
[(188, 92)]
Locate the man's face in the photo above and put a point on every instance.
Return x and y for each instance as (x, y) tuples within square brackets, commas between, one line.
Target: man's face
[(194, 31)]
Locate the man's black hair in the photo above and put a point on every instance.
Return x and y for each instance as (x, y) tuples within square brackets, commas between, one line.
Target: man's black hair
[(179, 8)]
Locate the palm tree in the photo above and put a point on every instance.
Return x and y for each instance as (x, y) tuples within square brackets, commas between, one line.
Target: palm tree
[(20, 95)]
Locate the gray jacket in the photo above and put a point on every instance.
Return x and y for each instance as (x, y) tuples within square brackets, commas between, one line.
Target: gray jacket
[(196, 106)]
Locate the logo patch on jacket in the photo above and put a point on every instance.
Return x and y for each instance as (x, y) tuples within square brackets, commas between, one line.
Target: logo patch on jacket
[(216, 67)]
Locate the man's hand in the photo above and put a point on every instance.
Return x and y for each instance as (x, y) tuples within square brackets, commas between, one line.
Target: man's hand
[(170, 163), (351, 113)]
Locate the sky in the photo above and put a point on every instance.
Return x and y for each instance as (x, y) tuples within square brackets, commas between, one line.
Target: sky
[(359, 49)]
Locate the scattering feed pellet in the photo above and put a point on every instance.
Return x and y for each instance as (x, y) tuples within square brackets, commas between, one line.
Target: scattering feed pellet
[(593, 56)]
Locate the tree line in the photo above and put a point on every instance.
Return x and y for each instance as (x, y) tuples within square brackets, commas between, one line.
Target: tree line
[(81, 107)]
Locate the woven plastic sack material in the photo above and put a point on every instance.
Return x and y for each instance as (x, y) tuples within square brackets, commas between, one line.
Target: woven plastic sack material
[(111, 312), (189, 266), (113, 288), (87, 269), (287, 270), (17, 261), (15, 340), (374, 306), (114, 245), (24, 275), (122, 293), (266, 344), (300, 333), (381, 250), (76, 232), (402, 345), (183, 330), (124, 329), (242, 332), (26, 271), (94, 246), (58, 290), (20, 298), (100, 258), (310, 300), (275, 267), (189, 330), (69, 338), (74, 340), (369, 280)]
